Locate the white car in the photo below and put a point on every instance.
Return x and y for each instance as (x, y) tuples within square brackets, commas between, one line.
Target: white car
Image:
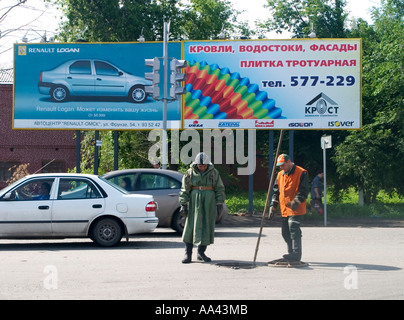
[(72, 206)]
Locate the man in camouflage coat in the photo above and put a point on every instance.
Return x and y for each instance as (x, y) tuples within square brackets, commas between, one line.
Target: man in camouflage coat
[(201, 197)]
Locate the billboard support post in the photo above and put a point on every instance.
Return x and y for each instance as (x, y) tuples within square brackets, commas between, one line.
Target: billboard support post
[(325, 144), (96, 159), (78, 151), (165, 65)]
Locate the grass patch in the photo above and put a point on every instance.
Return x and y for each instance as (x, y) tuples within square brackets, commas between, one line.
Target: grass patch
[(388, 207)]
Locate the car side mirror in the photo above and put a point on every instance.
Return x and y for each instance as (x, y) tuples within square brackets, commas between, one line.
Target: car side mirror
[(120, 73), (9, 196)]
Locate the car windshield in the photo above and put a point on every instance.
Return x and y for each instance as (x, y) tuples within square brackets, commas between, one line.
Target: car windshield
[(113, 185), (4, 190)]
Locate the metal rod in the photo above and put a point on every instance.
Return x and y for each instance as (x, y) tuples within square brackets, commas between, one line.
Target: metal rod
[(116, 149), (271, 183), (325, 184), (96, 155), (78, 151), (44, 166), (165, 65)]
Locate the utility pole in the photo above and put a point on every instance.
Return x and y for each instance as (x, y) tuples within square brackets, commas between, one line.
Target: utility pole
[(176, 77), (165, 65)]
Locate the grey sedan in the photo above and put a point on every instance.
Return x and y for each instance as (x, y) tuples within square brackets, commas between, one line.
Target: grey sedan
[(163, 185)]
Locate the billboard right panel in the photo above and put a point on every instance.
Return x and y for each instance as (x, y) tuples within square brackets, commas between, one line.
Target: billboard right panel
[(273, 84)]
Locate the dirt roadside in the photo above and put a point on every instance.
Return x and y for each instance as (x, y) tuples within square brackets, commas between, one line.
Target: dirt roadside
[(256, 220)]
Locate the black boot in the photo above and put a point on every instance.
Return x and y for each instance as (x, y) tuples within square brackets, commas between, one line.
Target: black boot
[(201, 254), (296, 253), (188, 253)]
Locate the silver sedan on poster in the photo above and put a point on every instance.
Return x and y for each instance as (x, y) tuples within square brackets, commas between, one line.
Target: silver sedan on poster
[(91, 78)]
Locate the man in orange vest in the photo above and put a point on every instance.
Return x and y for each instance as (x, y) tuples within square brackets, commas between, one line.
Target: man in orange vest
[(290, 192)]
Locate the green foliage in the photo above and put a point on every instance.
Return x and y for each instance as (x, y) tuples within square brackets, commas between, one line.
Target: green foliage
[(326, 17), (132, 151), (367, 158), (362, 159), (386, 205), (126, 20)]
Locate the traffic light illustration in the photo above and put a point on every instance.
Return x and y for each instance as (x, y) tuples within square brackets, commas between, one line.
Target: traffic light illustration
[(154, 77), (176, 78)]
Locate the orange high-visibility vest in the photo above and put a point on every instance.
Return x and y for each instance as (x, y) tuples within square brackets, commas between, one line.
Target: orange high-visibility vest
[(288, 187)]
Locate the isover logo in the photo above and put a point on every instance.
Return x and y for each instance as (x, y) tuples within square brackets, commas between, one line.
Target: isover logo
[(321, 106), (340, 124)]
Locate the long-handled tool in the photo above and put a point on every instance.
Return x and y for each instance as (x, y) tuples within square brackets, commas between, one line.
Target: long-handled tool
[(271, 183)]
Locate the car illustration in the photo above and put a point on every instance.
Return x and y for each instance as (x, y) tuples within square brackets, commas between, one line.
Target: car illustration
[(91, 78), (163, 185), (73, 206)]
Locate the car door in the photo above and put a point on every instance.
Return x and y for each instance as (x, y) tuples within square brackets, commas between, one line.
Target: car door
[(80, 78), (78, 201), (163, 188), (109, 81), (25, 211)]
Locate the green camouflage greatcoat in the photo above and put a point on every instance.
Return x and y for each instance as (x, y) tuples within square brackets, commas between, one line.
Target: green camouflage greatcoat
[(200, 223)]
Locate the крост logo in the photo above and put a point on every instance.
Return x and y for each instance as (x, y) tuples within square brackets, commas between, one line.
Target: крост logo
[(321, 106)]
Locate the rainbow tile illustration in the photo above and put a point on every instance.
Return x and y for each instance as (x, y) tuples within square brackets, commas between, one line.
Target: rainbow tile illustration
[(216, 93)]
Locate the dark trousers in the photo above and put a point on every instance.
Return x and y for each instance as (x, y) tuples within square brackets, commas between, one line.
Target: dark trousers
[(292, 234)]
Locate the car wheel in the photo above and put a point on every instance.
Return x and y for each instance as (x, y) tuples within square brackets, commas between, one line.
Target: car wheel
[(106, 232), (178, 222), (137, 94), (60, 93)]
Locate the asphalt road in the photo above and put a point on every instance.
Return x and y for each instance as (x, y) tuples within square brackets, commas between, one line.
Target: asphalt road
[(344, 263)]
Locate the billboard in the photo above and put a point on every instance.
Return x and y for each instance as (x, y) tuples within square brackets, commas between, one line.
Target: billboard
[(273, 84), (245, 84), (88, 86)]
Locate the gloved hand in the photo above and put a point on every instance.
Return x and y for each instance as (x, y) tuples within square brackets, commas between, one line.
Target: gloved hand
[(184, 210), (293, 204), (271, 212), (219, 208)]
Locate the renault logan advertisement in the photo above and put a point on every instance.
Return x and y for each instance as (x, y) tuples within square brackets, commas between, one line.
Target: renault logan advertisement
[(89, 86)]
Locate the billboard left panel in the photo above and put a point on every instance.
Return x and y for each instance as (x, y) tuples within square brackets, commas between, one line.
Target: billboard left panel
[(88, 86)]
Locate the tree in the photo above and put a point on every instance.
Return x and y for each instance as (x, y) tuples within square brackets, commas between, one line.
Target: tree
[(126, 20), (367, 159), (327, 18), (133, 150), (207, 19), (356, 159), (114, 20)]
